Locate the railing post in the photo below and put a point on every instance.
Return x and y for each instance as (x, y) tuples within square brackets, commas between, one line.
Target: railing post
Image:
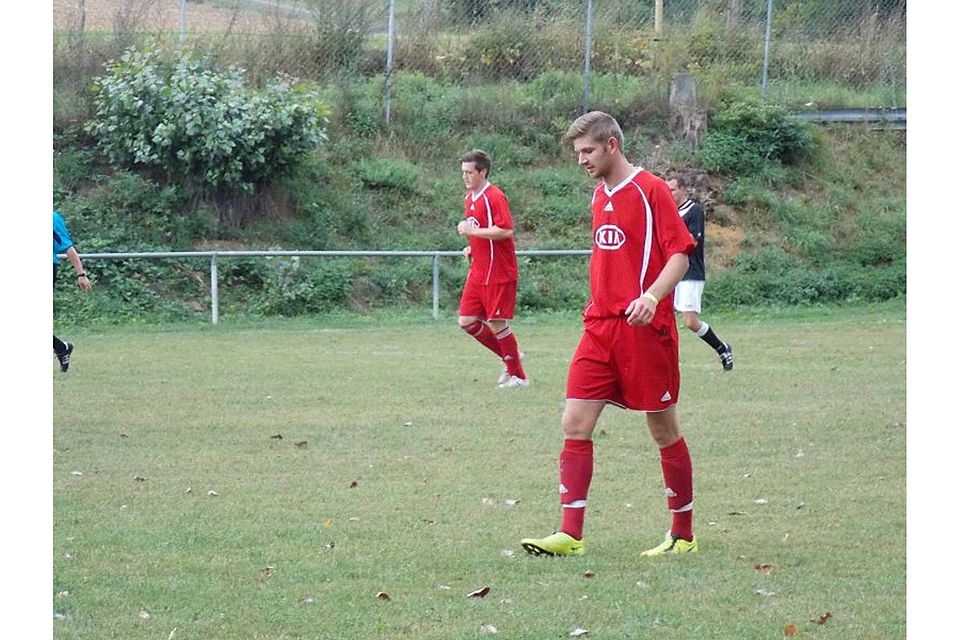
[(436, 286), (214, 293)]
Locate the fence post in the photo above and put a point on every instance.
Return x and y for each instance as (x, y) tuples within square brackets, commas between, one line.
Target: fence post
[(387, 85), (214, 290), (183, 20), (436, 286), (766, 50), (587, 46)]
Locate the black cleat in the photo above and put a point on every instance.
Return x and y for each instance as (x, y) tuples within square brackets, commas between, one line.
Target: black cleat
[(726, 357), (64, 357)]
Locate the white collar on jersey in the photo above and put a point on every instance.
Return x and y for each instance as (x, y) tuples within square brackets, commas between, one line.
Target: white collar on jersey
[(626, 181), (477, 195)]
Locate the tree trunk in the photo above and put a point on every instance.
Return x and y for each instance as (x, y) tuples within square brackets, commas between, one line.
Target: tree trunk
[(78, 27), (688, 119), (734, 11)]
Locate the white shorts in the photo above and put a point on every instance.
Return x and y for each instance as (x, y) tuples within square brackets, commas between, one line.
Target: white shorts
[(687, 295)]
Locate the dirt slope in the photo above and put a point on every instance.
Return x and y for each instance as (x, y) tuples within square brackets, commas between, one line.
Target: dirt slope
[(150, 16)]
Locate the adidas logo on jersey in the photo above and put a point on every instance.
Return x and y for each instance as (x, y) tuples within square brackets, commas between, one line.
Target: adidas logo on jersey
[(609, 207), (563, 489), (666, 397)]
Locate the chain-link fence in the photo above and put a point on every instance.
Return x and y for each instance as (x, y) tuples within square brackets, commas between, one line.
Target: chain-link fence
[(813, 53)]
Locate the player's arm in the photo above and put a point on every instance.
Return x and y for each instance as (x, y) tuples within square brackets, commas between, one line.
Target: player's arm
[(487, 233), (641, 310), (82, 280)]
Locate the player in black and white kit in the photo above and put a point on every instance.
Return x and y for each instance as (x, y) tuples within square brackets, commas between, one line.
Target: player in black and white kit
[(689, 291)]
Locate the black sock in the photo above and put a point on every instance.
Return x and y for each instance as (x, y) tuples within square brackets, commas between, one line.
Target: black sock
[(711, 339), (59, 347)]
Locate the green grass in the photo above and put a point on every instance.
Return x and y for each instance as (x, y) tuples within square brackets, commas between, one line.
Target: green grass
[(812, 420)]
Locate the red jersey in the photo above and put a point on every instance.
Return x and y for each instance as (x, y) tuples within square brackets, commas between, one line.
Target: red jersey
[(491, 261), (636, 228)]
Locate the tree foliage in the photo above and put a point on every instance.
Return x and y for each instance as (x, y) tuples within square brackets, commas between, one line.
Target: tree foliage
[(201, 127)]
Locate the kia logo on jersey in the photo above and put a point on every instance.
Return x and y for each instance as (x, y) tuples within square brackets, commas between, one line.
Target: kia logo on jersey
[(609, 236), (473, 223)]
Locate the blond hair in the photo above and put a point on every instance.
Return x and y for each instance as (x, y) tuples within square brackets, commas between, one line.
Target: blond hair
[(598, 125)]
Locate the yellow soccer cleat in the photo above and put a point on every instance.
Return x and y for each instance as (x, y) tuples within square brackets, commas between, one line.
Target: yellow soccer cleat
[(556, 544), (673, 544)]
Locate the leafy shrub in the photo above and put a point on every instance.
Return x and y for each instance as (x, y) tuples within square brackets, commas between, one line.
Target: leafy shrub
[(293, 288), (201, 127), (745, 136)]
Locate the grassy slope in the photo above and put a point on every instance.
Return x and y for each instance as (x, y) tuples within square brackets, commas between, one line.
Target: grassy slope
[(812, 420)]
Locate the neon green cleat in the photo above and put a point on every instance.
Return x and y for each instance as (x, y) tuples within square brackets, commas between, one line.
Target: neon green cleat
[(556, 544), (673, 544)]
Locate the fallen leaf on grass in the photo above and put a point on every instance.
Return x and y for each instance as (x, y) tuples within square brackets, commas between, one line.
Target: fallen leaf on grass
[(173, 634), (488, 501), (329, 545), (382, 595), (487, 628), (301, 445), (823, 618), (144, 614), (123, 435), (579, 631), (764, 592), (408, 424), (507, 553), (761, 501), (140, 478), (306, 598), (328, 523), (267, 571), (445, 587), (764, 568), (59, 616), (354, 484), (479, 593), (589, 574), (790, 630), (76, 473), (276, 436), (737, 513), (189, 490), (510, 502), (801, 506), (212, 493)]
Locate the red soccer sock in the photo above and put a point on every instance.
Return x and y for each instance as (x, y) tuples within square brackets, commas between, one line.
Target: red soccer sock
[(678, 479), (576, 471), (511, 353), (481, 333)]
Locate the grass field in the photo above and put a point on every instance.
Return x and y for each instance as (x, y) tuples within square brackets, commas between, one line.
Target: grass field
[(353, 457)]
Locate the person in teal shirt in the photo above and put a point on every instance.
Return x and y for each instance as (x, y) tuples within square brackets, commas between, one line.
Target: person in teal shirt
[(62, 243)]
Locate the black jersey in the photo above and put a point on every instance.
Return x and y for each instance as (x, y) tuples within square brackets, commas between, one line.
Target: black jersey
[(692, 214)]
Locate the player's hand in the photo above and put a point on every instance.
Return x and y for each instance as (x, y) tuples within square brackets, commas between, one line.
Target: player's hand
[(463, 228), (84, 283), (466, 252), (640, 312)]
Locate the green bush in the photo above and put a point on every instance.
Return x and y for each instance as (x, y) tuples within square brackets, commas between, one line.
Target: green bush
[(294, 287), (199, 126), (384, 173), (746, 137)]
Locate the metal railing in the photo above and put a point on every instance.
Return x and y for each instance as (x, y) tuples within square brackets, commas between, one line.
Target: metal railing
[(213, 256)]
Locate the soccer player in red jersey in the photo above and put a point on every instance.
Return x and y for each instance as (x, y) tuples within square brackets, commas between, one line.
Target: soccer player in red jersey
[(628, 355), (490, 292)]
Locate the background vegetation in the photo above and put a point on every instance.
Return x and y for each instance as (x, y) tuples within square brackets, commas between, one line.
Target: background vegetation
[(797, 215)]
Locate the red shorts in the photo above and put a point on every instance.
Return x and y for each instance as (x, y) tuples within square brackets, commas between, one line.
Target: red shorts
[(633, 367), (489, 301)]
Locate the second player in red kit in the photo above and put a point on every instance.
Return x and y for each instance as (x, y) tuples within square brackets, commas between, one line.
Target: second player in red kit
[(490, 292)]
